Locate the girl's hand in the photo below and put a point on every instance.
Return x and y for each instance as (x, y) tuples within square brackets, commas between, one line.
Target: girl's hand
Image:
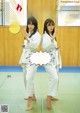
[(27, 36), (56, 31), (23, 46), (54, 35)]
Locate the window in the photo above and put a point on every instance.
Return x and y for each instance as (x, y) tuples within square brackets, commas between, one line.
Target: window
[(13, 11), (68, 13)]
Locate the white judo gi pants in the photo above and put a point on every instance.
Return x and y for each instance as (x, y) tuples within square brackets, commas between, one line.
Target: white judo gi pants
[(31, 69), (53, 80), (24, 74)]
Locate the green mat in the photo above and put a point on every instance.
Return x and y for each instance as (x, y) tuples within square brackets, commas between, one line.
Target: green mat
[(12, 93)]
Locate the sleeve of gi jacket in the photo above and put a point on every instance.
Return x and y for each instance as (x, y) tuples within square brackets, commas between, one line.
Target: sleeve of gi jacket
[(34, 42), (48, 45)]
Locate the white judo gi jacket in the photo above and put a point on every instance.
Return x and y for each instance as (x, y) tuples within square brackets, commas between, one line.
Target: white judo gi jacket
[(51, 47), (30, 48)]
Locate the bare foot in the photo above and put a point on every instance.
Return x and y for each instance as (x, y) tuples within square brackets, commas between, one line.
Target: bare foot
[(33, 98), (48, 102), (55, 99), (29, 104)]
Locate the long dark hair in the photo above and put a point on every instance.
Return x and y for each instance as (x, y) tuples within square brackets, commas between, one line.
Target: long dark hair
[(46, 23), (32, 20)]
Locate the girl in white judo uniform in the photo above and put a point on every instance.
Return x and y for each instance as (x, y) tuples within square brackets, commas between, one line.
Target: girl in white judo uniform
[(49, 45), (33, 39), (24, 60)]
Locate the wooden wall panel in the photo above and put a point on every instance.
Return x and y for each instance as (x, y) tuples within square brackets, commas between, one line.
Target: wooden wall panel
[(68, 38), (10, 46), (69, 41)]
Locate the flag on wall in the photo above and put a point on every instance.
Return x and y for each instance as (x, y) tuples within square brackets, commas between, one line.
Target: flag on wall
[(13, 11)]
